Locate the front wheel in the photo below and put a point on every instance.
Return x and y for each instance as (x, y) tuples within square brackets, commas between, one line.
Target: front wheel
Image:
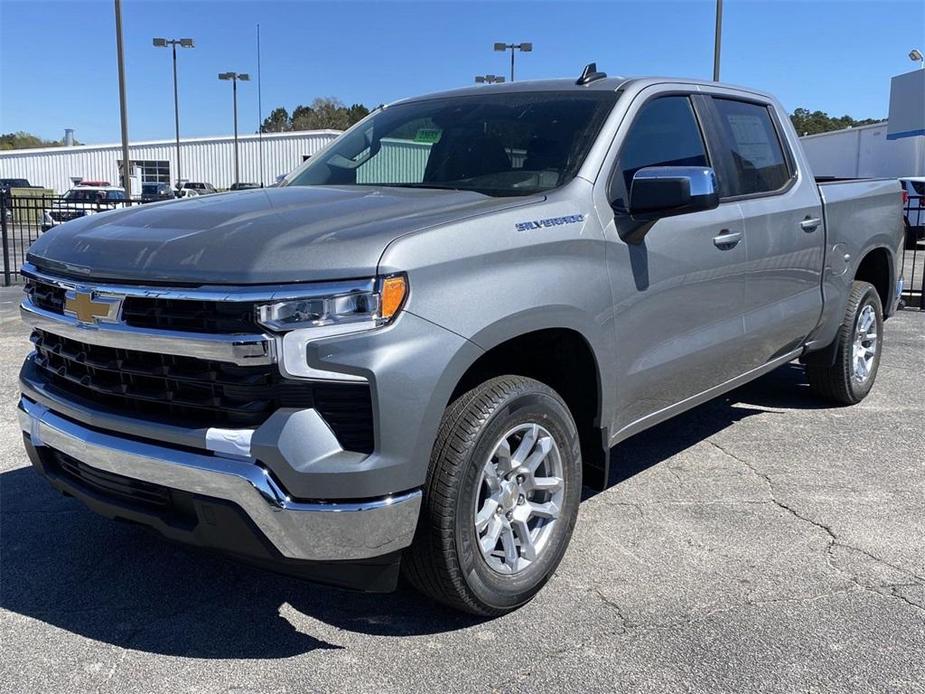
[(857, 356), (501, 497)]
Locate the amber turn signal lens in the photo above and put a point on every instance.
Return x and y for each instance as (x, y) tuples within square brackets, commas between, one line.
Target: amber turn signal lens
[(394, 290)]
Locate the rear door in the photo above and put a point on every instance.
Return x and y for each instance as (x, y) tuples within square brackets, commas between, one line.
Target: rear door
[(678, 294), (783, 227)]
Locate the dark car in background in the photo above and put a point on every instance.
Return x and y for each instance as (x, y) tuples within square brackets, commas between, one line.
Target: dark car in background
[(7, 184), (914, 213), (153, 192), (83, 201), (244, 186)]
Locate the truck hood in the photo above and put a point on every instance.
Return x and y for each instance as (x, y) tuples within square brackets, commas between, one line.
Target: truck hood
[(267, 236)]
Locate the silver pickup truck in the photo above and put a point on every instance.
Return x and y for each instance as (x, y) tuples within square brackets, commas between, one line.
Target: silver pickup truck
[(411, 355)]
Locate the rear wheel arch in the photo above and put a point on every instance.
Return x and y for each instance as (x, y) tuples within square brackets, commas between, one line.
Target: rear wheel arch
[(876, 267)]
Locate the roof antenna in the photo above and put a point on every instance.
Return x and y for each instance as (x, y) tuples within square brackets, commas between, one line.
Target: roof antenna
[(590, 73)]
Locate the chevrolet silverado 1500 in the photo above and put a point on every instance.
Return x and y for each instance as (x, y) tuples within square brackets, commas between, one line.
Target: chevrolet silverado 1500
[(412, 354)]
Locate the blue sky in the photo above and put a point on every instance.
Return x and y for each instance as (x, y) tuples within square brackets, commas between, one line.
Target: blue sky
[(58, 70)]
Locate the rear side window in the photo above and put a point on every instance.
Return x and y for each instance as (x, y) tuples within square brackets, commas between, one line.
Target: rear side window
[(665, 133), (757, 156)]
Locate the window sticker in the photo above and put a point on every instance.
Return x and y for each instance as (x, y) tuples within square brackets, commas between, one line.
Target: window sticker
[(751, 139), (428, 135)]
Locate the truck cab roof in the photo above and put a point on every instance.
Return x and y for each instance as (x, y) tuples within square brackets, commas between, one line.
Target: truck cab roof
[(615, 83)]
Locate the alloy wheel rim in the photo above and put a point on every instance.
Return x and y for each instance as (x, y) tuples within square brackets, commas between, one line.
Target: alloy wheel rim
[(520, 493), (864, 350)]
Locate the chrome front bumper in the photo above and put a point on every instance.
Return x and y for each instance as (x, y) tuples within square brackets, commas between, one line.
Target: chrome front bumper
[(320, 531)]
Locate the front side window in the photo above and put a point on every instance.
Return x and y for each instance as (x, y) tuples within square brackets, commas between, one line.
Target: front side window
[(497, 144), (751, 139), (665, 133)]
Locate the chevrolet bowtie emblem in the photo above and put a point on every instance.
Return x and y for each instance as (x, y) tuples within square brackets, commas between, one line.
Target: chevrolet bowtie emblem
[(82, 305)]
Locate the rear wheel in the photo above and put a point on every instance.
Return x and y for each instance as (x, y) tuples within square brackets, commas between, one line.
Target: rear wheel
[(501, 497), (857, 355)]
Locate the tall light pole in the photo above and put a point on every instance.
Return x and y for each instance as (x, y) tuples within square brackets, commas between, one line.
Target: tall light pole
[(717, 39), (235, 77), (525, 47), (489, 79), (123, 109), (173, 43)]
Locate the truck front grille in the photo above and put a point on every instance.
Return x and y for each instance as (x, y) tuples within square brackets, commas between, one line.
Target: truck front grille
[(194, 316), (48, 297), (184, 315), (191, 392)]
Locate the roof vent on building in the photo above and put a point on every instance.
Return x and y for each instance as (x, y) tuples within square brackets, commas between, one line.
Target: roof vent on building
[(590, 74)]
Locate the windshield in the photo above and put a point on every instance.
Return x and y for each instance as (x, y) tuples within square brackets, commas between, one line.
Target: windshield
[(497, 144)]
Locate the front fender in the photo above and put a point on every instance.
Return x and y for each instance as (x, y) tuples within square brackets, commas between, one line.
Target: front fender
[(412, 367)]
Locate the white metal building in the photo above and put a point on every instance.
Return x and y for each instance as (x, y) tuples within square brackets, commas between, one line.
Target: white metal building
[(209, 159), (865, 151)]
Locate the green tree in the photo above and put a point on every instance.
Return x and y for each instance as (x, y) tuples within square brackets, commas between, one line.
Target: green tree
[(323, 113), (356, 113), (277, 121), (24, 140), (303, 118), (808, 122)]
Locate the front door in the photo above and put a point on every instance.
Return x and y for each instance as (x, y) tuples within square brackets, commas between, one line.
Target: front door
[(679, 294)]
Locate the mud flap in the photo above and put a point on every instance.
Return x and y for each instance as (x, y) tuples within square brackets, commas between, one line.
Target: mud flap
[(595, 456)]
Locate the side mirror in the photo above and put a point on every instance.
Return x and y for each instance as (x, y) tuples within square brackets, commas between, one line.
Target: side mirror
[(667, 191)]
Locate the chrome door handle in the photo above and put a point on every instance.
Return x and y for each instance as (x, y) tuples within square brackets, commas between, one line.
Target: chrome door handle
[(727, 239), (810, 224)]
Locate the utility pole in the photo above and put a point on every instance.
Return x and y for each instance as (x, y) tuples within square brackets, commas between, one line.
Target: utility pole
[(123, 110), (717, 39)]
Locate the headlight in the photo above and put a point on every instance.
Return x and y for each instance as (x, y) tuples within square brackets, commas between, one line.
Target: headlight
[(356, 310)]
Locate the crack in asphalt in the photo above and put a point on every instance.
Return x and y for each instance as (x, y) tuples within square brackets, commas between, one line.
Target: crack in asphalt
[(883, 590), (833, 539), (625, 623)]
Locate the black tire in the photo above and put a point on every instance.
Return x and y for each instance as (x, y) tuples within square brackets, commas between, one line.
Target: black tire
[(445, 561), (838, 382)]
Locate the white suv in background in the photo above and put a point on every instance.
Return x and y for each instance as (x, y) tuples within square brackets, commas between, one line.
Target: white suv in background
[(192, 188), (82, 201)]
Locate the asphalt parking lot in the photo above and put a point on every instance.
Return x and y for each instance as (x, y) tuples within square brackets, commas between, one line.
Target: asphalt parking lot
[(763, 541)]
